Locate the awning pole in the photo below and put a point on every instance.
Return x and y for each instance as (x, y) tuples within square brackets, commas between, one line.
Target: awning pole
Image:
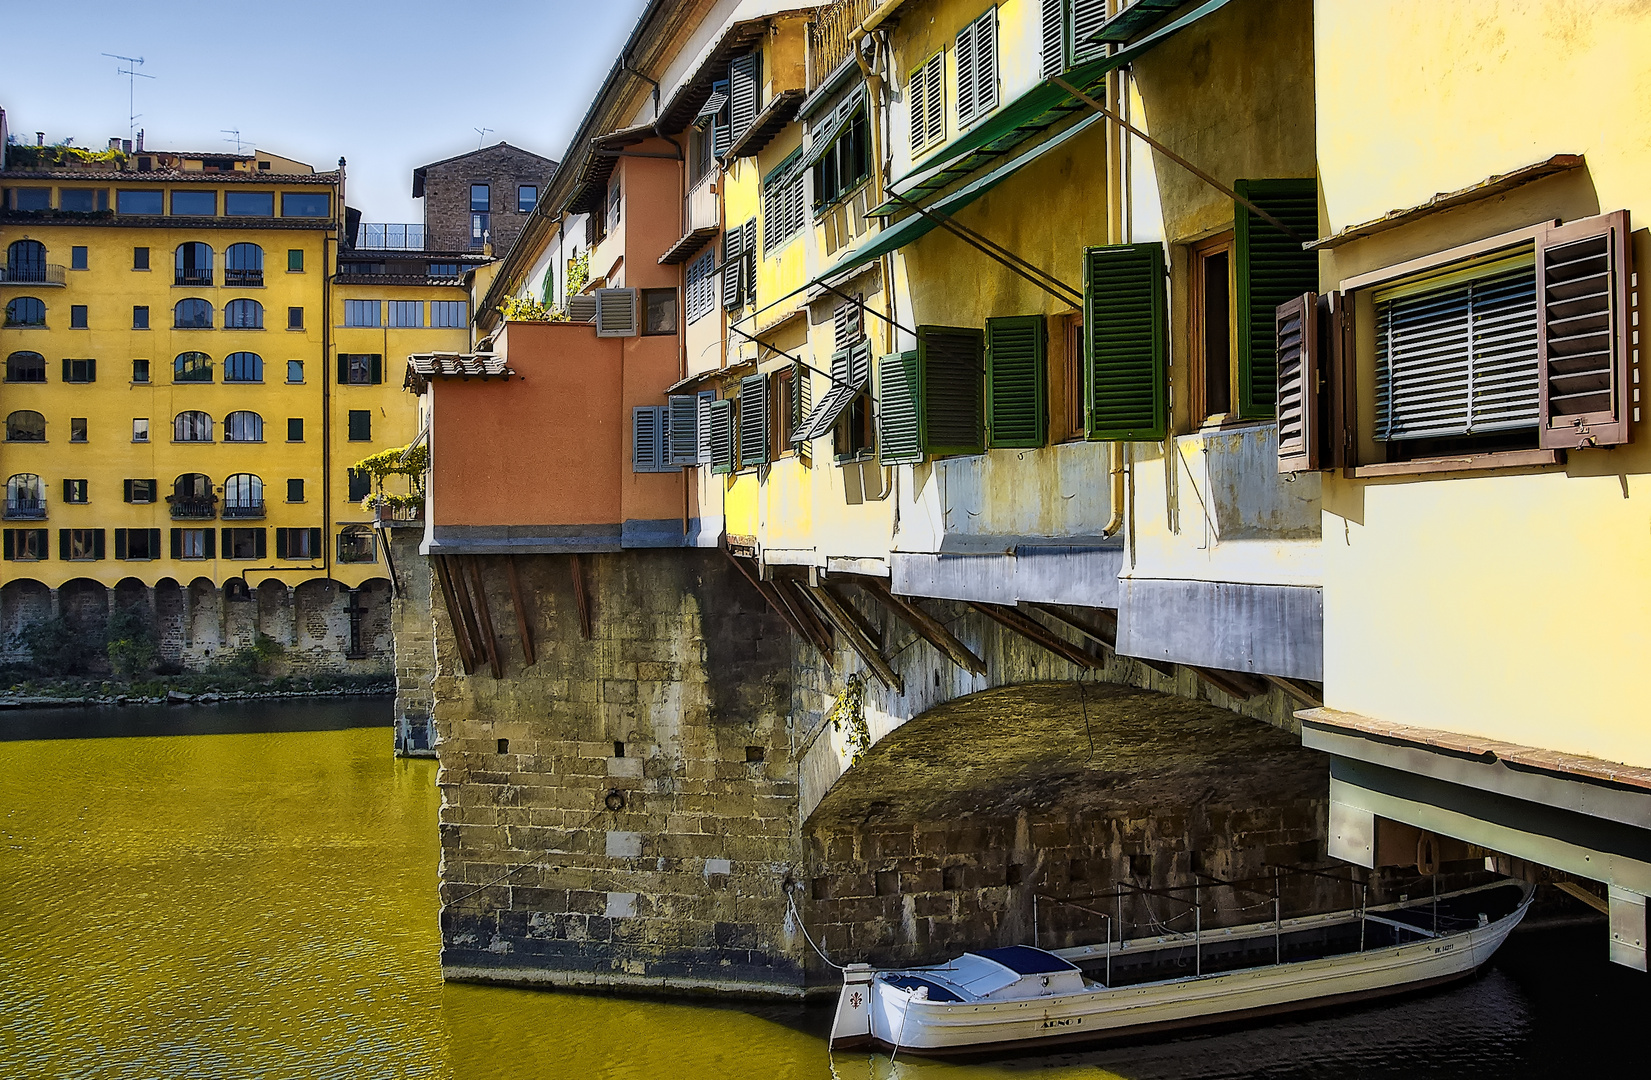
[(1042, 279), (1177, 158), (864, 310), (794, 359)]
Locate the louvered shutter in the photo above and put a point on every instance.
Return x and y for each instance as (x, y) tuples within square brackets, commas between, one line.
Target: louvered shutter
[(582, 308), (315, 542), (1584, 271), (706, 398), (845, 326), (732, 263), (748, 273), (743, 89), (1054, 38), (986, 62), (91, 370), (802, 403), (97, 543), (211, 538), (934, 79), (1125, 353), (68, 370), (1298, 384), (1087, 18), (899, 427), (177, 543), (68, 489), (953, 389), (965, 50), (1270, 269), (126, 490), (154, 543), (375, 365), (722, 436), (63, 544), (120, 543), (281, 546), (9, 550), (647, 439), (683, 430), (753, 420), (343, 368), (1016, 366), (720, 138), (260, 545), (616, 313)]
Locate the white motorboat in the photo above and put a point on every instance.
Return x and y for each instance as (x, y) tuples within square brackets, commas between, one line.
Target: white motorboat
[(1022, 997)]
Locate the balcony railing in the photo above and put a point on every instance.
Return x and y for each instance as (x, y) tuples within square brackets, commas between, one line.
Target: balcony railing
[(243, 510), (25, 509), (195, 507), (828, 43), (34, 274), (193, 277), (243, 277), (397, 237)]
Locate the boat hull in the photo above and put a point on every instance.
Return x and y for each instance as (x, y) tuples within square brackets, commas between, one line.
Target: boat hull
[(905, 1020)]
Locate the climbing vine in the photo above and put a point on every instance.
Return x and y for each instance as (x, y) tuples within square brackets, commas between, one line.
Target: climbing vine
[(850, 709)]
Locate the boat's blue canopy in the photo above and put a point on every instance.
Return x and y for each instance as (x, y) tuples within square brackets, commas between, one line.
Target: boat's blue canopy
[(1025, 960)]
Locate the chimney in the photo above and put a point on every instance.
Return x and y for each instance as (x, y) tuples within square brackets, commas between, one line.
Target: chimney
[(126, 146), (40, 138), (114, 143), (140, 140)]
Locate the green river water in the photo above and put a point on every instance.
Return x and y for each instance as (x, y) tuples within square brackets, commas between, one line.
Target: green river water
[(206, 892)]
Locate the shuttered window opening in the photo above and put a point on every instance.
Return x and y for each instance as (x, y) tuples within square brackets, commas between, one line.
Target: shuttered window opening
[(649, 452), (1086, 18), (1586, 333), (850, 370), (951, 363), (702, 286), (926, 92), (721, 139), (1296, 343), (1125, 343), (899, 435), (616, 313), (733, 265), (1459, 360), (702, 434), (847, 325), (748, 272), (977, 68), (744, 91), (1270, 269), (682, 430), (1053, 34), (722, 436), (753, 420), (1017, 411), (784, 212), (802, 404)]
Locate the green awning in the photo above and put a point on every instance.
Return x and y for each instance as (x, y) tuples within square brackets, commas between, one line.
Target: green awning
[(1034, 112)]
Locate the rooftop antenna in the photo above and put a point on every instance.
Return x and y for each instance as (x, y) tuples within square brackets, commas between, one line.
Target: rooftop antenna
[(483, 133), (132, 76), (234, 137)]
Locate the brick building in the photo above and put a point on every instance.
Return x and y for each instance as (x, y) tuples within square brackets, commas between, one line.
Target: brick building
[(481, 196)]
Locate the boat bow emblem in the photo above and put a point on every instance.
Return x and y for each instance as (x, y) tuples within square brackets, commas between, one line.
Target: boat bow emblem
[(855, 1000)]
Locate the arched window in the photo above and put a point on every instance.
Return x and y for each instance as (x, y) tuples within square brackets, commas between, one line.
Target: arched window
[(192, 314), (192, 367), (192, 427), (25, 367), (25, 425), (243, 315), (194, 265), (244, 265), (356, 544), (26, 261), (243, 427), (243, 496), (25, 311), (192, 497), (25, 497), (243, 367)]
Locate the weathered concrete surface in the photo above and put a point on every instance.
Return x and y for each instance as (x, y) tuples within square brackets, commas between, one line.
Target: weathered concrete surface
[(938, 837), (676, 713)]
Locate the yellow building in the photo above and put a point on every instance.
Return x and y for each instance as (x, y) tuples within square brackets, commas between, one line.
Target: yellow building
[(179, 412)]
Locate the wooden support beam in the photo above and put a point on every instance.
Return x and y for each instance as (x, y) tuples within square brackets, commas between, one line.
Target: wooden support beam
[(490, 643), (1037, 633), (865, 625), (461, 590), (580, 600), (775, 601), (460, 638), (523, 626), (850, 629), (1101, 629), (925, 626), (1580, 892), (809, 615), (1301, 691), (1239, 684)]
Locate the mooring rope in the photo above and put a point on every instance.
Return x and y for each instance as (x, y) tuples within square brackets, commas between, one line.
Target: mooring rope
[(817, 950)]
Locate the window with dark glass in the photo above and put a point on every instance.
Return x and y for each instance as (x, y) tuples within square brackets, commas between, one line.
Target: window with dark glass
[(295, 491), (26, 261), (361, 369), (77, 257), (139, 202), (192, 314), (659, 311), (243, 543), (140, 316), (25, 425), (31, 198), (243, 367), (77, 316), (356, 544), (249, 203), (140, 368), (243, 426), (77, 429), (79, 371), (83, 200), (305, 204), (25, 367), (243, 315), (295, 371), (140, 491), (192, 367), (527, 197), (295, 429), (194, 203), (243, 496), (192, 426), (444, 270), (140, 258), (295, 318), (74, 491), (192, 264), (845, 163), (360, 485), (361, 425), (137, 544), (244, 265), (478, 197), (25, 545), (25, 311)]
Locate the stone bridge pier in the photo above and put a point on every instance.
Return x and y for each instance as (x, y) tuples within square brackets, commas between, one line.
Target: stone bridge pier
[(647, 778)]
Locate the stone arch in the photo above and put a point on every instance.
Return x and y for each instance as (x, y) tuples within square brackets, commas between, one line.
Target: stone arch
[(276, 611), (23, 602), (130, 592), (170, 621), (941, 834), (314, 604), (203, 625), (377, 640), (84, 603)]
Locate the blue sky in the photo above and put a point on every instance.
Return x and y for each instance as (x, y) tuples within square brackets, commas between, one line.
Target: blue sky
[(387, 85)]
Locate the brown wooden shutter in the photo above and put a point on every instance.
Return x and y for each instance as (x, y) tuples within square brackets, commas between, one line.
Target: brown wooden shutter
[(1297, 342), (1584, 343)]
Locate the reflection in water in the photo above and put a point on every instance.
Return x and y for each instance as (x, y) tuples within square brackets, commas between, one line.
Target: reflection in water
[(262, 904)]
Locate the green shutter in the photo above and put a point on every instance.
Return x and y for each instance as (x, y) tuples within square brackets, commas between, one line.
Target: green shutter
[(1126, 354), (280, 543), (377, 368), (177, 543), (343, 368), (1271, 269), (63, 544), (315, 543), (259, 549), (1017, 408), (952, 389), (802, 404), (97, 543), (753, 420), (899, 436), (211, 543)]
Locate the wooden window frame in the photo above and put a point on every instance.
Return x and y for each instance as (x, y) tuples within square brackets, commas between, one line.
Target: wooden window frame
[(1066, 382), (1198, 255), (782, 389)]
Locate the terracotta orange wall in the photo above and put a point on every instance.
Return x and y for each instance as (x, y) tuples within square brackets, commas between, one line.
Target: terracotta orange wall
[(542, 449)]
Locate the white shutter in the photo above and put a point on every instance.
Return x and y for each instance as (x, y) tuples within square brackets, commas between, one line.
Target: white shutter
[(648, 439), (705, 398), (683, 430), (986, 62), (616, 313), (1054, 38), (966, 56)]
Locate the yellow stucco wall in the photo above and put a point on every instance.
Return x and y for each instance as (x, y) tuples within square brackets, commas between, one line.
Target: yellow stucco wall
[(1510, 604)]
